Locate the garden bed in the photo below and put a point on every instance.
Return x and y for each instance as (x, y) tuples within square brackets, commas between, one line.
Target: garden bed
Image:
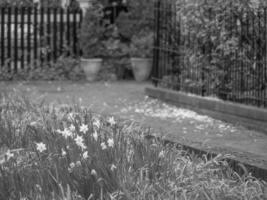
[(68, 152)]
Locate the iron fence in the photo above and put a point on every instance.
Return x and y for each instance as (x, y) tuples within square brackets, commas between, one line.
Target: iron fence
[(223, 55), (31, 36)]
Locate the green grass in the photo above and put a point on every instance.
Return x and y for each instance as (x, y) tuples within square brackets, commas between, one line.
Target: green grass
[(67, 152)]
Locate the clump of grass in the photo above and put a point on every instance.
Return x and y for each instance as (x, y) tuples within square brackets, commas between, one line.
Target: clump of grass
[(67, 152)]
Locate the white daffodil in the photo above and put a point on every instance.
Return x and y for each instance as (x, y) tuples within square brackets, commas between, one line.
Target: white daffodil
[(93, 172), (63, 152), (66, 133), (40, 147), (96, 123), (95, 135), (79, 141), (110, 142), (71, 116), (72, 128), (9, 155), (113, 167), (161, 154), (111, 121), (84, 128), (72, 165), (103, 146), (85, 155)]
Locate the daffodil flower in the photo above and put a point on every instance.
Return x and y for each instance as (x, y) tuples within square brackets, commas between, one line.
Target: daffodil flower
[(95, 135), (9, 155), (79, 141), (72, 128), (110, 142), (41, 147), (85, 155), (93, 172), (113, 167), (111, 121), (83, 128), (63, 152), (103, 146)]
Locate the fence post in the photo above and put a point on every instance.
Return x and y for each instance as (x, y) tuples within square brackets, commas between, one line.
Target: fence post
[(9, 39), (15, 48), (155, 73), (2, 36)]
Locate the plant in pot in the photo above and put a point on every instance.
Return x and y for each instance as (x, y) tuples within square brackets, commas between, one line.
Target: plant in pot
[(136, 28), (141, 54), (117, 54), (92, 40)]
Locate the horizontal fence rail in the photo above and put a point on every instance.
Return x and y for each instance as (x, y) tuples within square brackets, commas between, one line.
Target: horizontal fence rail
[(31, 36), (223, 55)]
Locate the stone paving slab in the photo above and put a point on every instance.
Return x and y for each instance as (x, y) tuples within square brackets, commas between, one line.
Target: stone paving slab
[(128, 100)]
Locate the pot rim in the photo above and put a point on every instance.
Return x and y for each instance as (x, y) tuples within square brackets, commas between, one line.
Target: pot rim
[(92, 59)]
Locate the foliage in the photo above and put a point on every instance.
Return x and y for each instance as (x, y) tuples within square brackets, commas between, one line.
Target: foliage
[(216, 35), (92, 31), (138, 18), (142, 44), (65, 68), (27, 3), (136, 26), (68, 152)]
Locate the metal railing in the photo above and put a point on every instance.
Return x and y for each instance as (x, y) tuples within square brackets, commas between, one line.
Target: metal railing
[(29, 35), (223, 56)]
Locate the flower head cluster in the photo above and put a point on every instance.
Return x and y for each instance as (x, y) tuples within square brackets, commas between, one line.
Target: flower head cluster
[(111, 121), (110, 142), (84, 128), (80, 142), (41, 147), (66, 132)]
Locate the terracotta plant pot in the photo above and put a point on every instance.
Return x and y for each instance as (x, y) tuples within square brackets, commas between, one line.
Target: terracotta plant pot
[(141, 68), (91, 67)]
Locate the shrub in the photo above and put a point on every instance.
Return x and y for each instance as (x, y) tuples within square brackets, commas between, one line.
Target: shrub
[(217, 35), (65, 68), (92, 31), (68, 152)]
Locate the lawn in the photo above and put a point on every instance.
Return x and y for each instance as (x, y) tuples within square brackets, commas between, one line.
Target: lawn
[(70, 152)]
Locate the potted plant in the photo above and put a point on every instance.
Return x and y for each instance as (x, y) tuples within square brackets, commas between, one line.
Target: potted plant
[(91, 40), (141, 53), (136, 28)]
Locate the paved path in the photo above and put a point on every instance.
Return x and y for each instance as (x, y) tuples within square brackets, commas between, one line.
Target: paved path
[(128, 100)]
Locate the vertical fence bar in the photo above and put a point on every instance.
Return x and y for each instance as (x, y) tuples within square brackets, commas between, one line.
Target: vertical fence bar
[(55, 35), (68, 30), (80, 25), (2, 36), (156, 43), (236, 63), (48, 39), (242, 53), (35, 31), (9, 47), (74, 31), (252, 91), (15, 40), (260, 62), (22, 26), (41, 35), (265, 60), (29, 29), (61, 32)]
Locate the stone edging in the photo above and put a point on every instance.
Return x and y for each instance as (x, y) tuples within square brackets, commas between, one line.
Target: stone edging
[(248, 116)]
